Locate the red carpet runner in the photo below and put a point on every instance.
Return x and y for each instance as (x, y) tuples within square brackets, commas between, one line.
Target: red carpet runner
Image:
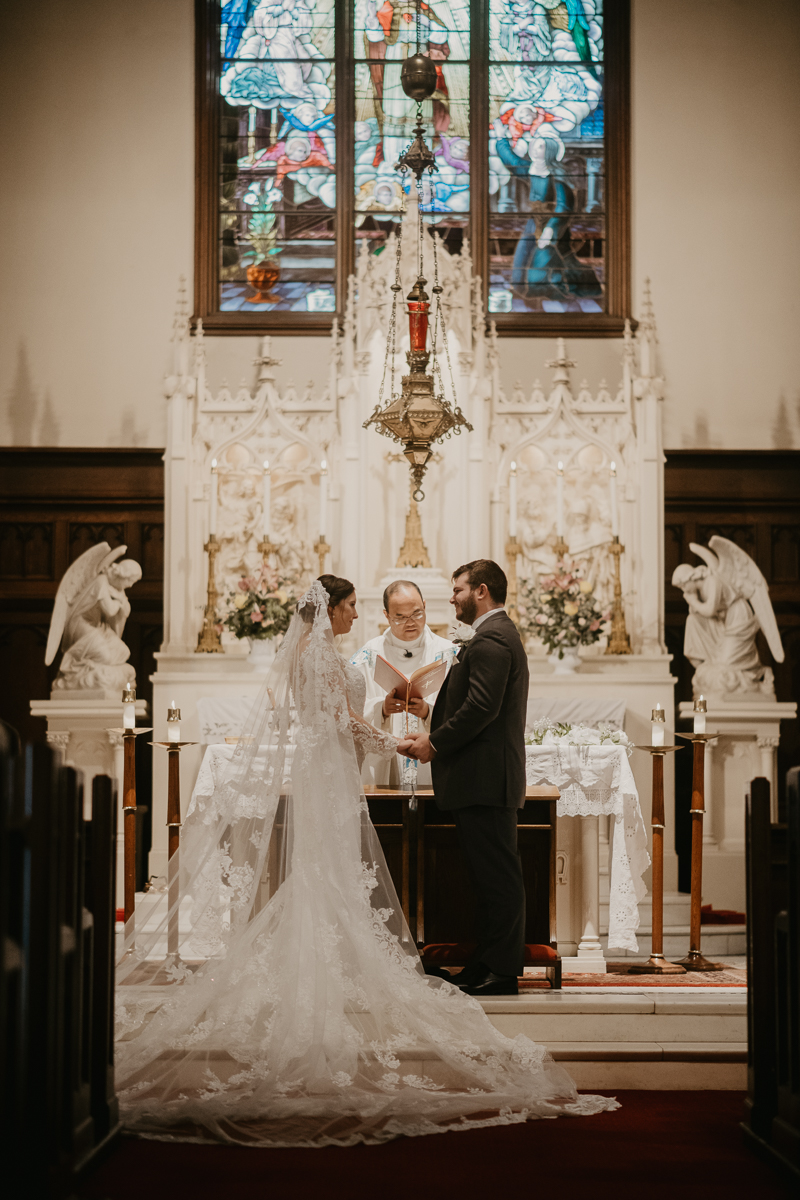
[(658, 1145)]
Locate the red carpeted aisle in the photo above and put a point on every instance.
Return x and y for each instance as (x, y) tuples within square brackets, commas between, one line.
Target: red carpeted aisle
[(659, 1144)]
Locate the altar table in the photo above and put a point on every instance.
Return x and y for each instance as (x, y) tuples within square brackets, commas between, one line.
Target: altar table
[(595, 781), (420, 844)]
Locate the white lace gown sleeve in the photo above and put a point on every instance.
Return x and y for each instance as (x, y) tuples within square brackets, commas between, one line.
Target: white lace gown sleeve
[(367, 739)]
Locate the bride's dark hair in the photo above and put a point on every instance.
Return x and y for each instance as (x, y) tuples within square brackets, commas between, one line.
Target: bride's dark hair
[(338, 589)]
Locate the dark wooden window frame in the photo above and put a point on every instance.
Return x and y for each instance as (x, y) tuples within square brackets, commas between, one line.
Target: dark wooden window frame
[(617, 185)]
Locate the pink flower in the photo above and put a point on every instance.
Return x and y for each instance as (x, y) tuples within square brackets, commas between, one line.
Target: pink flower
[(244, 585), (541, 619), (595, 625), (256, 616)]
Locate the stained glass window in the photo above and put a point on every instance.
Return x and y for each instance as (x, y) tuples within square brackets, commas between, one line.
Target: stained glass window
[(546, 156), (384, 35), (278, 156), (302, 119)]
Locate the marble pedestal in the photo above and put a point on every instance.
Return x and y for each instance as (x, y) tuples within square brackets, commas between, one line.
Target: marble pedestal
[(749, 733), (80, 724)]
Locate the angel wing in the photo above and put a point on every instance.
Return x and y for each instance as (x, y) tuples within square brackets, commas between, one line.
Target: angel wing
[(74, 583), (739, 568)]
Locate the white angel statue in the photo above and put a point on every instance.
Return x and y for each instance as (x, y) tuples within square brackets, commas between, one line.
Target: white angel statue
[(728, 602), (89, 616)]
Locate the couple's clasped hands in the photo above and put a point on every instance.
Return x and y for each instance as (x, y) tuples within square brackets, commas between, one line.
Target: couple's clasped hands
[(418, 747)]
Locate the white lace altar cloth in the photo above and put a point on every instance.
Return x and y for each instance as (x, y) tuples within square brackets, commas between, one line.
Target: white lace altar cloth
[(212, 774), (596, 781), (222, 716)]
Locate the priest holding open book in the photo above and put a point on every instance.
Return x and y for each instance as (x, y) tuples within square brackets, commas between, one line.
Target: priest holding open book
[(388, 663)]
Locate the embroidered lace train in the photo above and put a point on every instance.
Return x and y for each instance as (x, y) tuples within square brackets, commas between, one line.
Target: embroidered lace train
[(297, 1012)]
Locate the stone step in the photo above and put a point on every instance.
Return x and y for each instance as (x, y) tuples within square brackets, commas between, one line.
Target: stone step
[(716, 941), (630, 1038), (677, 909)]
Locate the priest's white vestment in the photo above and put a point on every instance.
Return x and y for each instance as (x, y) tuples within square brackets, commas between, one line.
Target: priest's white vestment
[(406, 657)]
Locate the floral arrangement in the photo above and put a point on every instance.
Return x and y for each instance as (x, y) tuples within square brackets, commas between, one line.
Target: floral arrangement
[(561, 609), (261, 606), (550, 733)]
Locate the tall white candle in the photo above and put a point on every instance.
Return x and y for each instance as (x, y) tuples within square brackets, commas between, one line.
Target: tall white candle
[(173, 723), (323, 497), (512, 501), (614, 510), (267, 500), (212, 515), (560, 501), (700, 709), (129, 707), (657, 726)]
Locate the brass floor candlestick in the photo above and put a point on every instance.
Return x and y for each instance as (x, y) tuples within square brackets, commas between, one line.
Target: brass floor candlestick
[(173, 750), (322, 549), (656, 963), (695, 961), (512, 550), (129, 814), (618, 641), (208, 640)]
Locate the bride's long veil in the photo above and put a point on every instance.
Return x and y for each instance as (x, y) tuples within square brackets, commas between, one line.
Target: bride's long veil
[(295, 1010)]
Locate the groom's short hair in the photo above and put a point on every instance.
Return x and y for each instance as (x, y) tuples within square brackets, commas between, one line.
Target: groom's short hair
[(483, 570)]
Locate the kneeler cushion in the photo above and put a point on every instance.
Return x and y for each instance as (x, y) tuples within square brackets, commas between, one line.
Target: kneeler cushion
[(455, 954)]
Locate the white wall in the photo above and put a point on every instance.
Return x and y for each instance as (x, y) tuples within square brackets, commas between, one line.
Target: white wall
[(96, 221)]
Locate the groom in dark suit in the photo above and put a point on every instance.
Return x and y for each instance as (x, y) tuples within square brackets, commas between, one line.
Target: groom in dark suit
[(477, 753)]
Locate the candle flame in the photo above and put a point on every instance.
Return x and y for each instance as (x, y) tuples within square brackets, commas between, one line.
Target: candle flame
[(213, 464), (561, 468), (513, 468), (266, 465), (323, 466), (613, 468)]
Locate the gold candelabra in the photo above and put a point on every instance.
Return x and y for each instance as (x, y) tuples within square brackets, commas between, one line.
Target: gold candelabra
[(618, 642), (512, 550), (209, 641), (322, 548), (266, 548)]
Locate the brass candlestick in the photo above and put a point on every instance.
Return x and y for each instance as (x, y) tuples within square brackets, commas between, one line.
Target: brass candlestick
[(322, 549), (208, 640), (512, 550), (129, 737), (561, 548), (695, 960), (656, 963), (266, 548), (618, 642), (173, 750)]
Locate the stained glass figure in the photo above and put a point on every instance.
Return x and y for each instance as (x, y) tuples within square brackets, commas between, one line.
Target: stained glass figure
[(386, 33), (278, 156), (546, 156)]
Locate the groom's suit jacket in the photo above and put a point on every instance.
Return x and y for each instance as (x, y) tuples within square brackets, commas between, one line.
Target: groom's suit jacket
[(478, 723)]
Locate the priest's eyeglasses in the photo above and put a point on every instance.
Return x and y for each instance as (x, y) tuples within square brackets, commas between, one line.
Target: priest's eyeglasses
[(417, 616)]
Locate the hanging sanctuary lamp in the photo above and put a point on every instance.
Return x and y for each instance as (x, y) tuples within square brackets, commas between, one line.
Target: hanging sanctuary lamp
[(420, 414)]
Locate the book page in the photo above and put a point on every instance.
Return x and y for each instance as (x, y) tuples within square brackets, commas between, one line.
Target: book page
[(388, 677)]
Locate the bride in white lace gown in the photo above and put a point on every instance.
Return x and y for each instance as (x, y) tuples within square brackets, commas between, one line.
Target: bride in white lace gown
[(297, 1011)]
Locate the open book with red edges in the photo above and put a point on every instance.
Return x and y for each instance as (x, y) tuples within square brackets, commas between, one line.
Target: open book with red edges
[(421, 683)]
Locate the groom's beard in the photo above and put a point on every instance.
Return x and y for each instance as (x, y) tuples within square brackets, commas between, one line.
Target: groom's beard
[(468, 610)]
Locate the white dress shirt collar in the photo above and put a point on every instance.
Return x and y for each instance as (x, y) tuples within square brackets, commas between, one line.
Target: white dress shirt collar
[(491, 613)]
